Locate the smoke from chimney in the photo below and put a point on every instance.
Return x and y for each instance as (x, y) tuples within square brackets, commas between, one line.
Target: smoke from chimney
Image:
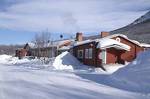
[(70, 23)]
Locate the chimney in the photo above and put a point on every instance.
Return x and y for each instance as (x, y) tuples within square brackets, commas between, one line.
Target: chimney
[(79, 36), (104, 34)]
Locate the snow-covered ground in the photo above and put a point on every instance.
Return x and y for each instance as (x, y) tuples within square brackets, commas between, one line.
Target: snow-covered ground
[(31, 79)]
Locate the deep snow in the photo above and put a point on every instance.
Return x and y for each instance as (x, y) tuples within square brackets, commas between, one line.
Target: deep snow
[(136, 75), (66, 61), (31, 79)]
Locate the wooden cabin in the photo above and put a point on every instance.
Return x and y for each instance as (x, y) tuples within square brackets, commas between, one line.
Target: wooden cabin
[(21, 53), (106, 49)]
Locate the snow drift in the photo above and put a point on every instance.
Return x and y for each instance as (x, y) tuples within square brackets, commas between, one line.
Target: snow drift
[(25, 62), (4, 58), (135, 76), (66, 61)]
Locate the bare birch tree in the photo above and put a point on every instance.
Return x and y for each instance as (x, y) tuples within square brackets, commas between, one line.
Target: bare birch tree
[(42, 40)]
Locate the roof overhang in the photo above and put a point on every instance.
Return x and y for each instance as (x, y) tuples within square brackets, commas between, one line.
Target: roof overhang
[(118, 47), (111, 43)]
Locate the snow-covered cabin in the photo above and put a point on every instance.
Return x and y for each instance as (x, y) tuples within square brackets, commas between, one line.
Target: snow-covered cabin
[(105, 49)]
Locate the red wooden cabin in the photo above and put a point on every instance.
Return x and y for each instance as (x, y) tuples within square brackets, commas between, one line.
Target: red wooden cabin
[(119, 49)]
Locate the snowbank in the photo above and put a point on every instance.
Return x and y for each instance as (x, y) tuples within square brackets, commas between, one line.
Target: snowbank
[(135, 76), (66, 61), (28, 63), (4, 58), (7, 59), (15, 60), (25, 62)]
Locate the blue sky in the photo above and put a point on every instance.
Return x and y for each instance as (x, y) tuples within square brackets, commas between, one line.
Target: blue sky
[(21, 19), (15, 37)]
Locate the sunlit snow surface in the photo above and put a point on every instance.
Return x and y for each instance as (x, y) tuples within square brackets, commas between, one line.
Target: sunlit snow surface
[(31, 79)]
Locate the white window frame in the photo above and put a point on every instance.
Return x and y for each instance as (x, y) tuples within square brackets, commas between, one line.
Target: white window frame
[(86, 53), (90, 53), (81, 57), (118, 39), (105, 56)]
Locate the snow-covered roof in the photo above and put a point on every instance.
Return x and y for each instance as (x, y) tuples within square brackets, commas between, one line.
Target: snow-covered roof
[(65, 48), (32, 45), (82, 42), (50, 44), (145, 45), (124, 36), (61, 42), (107, 43), (107, 37), (115, 35)]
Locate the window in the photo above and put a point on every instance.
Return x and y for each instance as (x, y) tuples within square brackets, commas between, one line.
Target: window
[(88, 53), (102, 55), (118, 39), (80, 54)]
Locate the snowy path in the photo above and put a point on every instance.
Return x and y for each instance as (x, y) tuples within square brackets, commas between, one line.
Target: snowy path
[(22, 83)]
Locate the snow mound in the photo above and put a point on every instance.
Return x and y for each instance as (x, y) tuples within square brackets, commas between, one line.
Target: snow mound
[(66, 61), (15, 60), (4, 58), (26, 62), (135, 76)]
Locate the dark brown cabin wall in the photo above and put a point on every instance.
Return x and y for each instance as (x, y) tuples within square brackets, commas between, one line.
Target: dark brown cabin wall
[(111, 56), (85, 61), (98, 60), (128, 55)]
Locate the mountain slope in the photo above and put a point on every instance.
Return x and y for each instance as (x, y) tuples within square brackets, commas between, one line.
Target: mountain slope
[(138, 30)]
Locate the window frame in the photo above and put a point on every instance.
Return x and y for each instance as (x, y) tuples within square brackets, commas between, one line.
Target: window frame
[(80, 57), (90, 53), (87, 53)]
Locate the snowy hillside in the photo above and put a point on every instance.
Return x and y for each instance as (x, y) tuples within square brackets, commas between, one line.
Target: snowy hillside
[(138, 30), (32, 79), (142, 18)]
